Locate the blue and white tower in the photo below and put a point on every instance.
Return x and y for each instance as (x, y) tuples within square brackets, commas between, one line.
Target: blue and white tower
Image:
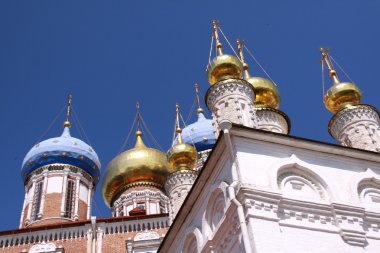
[(59, 176)]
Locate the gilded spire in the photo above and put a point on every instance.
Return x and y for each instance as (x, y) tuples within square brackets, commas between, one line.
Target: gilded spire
[(215, 24), (223, 66), (240, 45), (199, 110), (341, 94), (67, 123), (326, 58), (138, 116), (181, 156), (139, 141), (178, 129)]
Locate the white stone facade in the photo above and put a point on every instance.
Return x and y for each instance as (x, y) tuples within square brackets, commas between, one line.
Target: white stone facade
[(231, 101), (269, 193), (272, 120), (177, 186), (357, 126)]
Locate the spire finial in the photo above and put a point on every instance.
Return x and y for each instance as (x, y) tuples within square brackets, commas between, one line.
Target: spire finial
[(67, 123), (215, 24), (178, 129), (138, 115), (240, 45), (199, 110), (326, 58)]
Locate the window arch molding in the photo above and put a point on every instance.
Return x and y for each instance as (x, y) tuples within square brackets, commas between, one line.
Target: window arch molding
[(193, 241), (362, 182), (284, 169), (215, 209)]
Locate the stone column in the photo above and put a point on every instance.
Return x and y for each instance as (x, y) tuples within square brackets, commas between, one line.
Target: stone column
[(357, 126), (43, 194), (272, 120), (231, 100), (66, 173), (23, 208), (178, 185), (99, 240), (29, 214), (147, 205), (77, 186), (89, 200), (125, 209), (89, 241)]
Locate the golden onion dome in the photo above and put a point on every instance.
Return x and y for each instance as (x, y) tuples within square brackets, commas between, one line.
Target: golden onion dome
[(266, 92), (224, 67), (137, 166), (342, 95), (182, 156)]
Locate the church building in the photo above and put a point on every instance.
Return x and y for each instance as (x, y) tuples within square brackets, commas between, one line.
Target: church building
[(237, 182)]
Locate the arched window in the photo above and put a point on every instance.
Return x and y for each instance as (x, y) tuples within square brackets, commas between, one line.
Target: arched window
[(37, 201), (69, 199)]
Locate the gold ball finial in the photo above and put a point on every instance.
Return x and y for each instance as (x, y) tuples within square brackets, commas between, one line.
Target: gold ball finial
[(67, 124)]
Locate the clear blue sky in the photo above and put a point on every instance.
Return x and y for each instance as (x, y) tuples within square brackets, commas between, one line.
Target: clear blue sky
[(109, 54)]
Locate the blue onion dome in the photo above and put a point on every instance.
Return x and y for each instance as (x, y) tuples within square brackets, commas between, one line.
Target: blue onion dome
[(62, 150), (200, 133)]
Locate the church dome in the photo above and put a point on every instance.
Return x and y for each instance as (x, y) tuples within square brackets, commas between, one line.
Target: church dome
[(266, 92), (341, 95), (200, 134), (224, 67), (138, 166), (65, 150)]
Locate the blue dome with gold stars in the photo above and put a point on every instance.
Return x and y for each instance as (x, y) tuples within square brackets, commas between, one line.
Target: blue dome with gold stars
[(200, 133), (63, 150)]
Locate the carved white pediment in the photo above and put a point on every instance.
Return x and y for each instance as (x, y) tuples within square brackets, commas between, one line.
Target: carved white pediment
[(43, 247), (148, 235)]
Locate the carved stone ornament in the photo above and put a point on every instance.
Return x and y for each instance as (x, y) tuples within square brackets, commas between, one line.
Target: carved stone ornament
[(358, 127), (232, 100), (144, 236), (43, 247)]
